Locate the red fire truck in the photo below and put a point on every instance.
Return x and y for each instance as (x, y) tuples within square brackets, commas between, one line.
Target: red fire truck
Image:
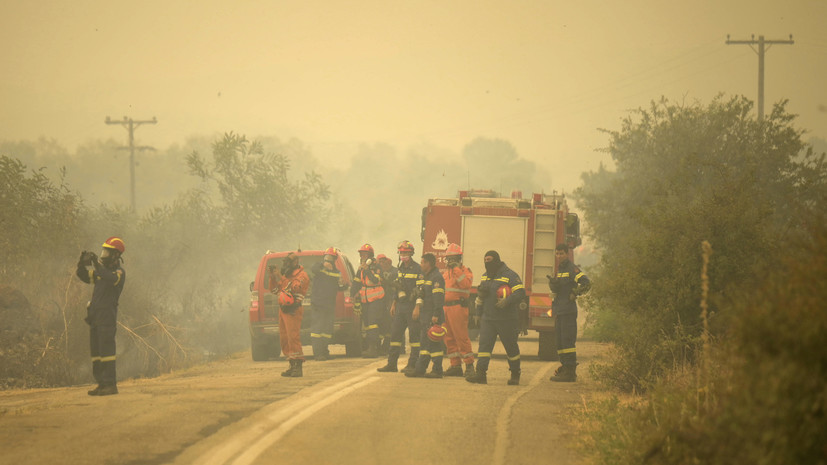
[(523, 231)]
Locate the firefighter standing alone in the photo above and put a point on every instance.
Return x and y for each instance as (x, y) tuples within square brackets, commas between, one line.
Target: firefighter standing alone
[(569, 283), (108, 278), (290, 285), (458, 279), (498, 297)]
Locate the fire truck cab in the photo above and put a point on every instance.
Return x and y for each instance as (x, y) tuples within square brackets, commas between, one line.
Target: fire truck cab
[(524, 232)]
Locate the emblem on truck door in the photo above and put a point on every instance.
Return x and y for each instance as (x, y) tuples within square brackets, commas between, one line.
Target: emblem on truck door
[(441, 241)]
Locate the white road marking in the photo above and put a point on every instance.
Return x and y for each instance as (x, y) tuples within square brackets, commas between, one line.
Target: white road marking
[(504, 417), (252, 441)]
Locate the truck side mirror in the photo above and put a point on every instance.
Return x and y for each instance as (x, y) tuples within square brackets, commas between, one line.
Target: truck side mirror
[(252, 285)]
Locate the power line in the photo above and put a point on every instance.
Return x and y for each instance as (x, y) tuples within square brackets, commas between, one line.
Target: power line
[(763, 46), (130, 125)]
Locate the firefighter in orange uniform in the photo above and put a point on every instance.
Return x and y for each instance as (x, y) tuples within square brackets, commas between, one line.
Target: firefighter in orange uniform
[(367, 285), (290, 285), (458, 279)]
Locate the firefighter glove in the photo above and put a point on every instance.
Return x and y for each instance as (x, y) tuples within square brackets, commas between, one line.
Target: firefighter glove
[(500, 304), (477, 302)]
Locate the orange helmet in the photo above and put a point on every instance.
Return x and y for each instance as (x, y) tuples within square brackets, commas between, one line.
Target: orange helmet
[(331, 251), (436, 333), (503, 292), (406, 246), (367, 248), (116, 243), (453, 249), (286, 298)]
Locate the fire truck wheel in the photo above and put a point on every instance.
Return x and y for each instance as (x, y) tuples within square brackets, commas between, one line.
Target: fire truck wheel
[(548, 346), (264, 349)]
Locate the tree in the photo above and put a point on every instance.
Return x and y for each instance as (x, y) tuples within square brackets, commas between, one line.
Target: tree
[(685, 174)]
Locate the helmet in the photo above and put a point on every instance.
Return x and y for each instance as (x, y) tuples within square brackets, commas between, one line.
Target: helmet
[(286, 298), (367, 248), (453, 249), (436, 333), (116, 243), (406, 246), (331, 251), (503, 292), (382, 256)]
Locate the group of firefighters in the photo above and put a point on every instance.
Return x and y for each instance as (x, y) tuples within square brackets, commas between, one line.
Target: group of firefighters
[(432, 306)]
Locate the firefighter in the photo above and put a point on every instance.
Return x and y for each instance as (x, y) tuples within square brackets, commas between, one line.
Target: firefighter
[(429, 311), (498, 298), (388, 274), (108, 278), (404, 301), (569, 283), (327, 282), (458, 279), (290, 285), (367, 284)]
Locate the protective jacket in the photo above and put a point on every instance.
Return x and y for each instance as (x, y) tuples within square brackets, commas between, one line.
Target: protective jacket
[(569, 283), (326, 286), (368, 284), (103, 308), (432, 297), (407, 283), (297, 282), (457, 285), (487, 291)]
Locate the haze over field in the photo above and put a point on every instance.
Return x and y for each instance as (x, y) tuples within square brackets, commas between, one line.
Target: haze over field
[(542, 75)]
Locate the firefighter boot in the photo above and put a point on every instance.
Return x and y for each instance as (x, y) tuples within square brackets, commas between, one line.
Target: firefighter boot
[(515, 378), (297, 369), (289, 371), (392, 360), (469, 370), (107, 390), (455, 370), (95, 391), (565, 374), (478, 378)]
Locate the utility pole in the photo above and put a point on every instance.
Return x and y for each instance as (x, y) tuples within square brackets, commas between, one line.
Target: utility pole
[(130, 126), (763, 46)]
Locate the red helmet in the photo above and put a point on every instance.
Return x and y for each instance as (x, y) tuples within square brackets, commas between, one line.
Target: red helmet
[(503, 292), (367, 248), (116, 243), (286, 298), (453, 249), (382, 256), (436, 333), (406, 246), (331, 251)]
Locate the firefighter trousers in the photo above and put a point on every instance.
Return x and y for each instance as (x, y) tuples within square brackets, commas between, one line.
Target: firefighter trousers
[(431, 351), (457, 342), (102, 349), (566, 328), (507, 331), (290, 325), (371, 314), (403, 320), (321, 333)]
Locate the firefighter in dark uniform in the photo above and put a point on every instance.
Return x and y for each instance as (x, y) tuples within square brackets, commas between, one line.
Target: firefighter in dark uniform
[(498, 298), (108, 278), (408, 279), (429, 310), (388, 273), (367, 285), (327, 282), (569, 283)]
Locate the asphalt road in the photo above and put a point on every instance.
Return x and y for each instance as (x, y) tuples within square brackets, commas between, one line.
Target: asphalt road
[(341, 412)]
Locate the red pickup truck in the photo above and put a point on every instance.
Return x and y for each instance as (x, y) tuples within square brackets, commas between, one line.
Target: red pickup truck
[(264, 308)]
